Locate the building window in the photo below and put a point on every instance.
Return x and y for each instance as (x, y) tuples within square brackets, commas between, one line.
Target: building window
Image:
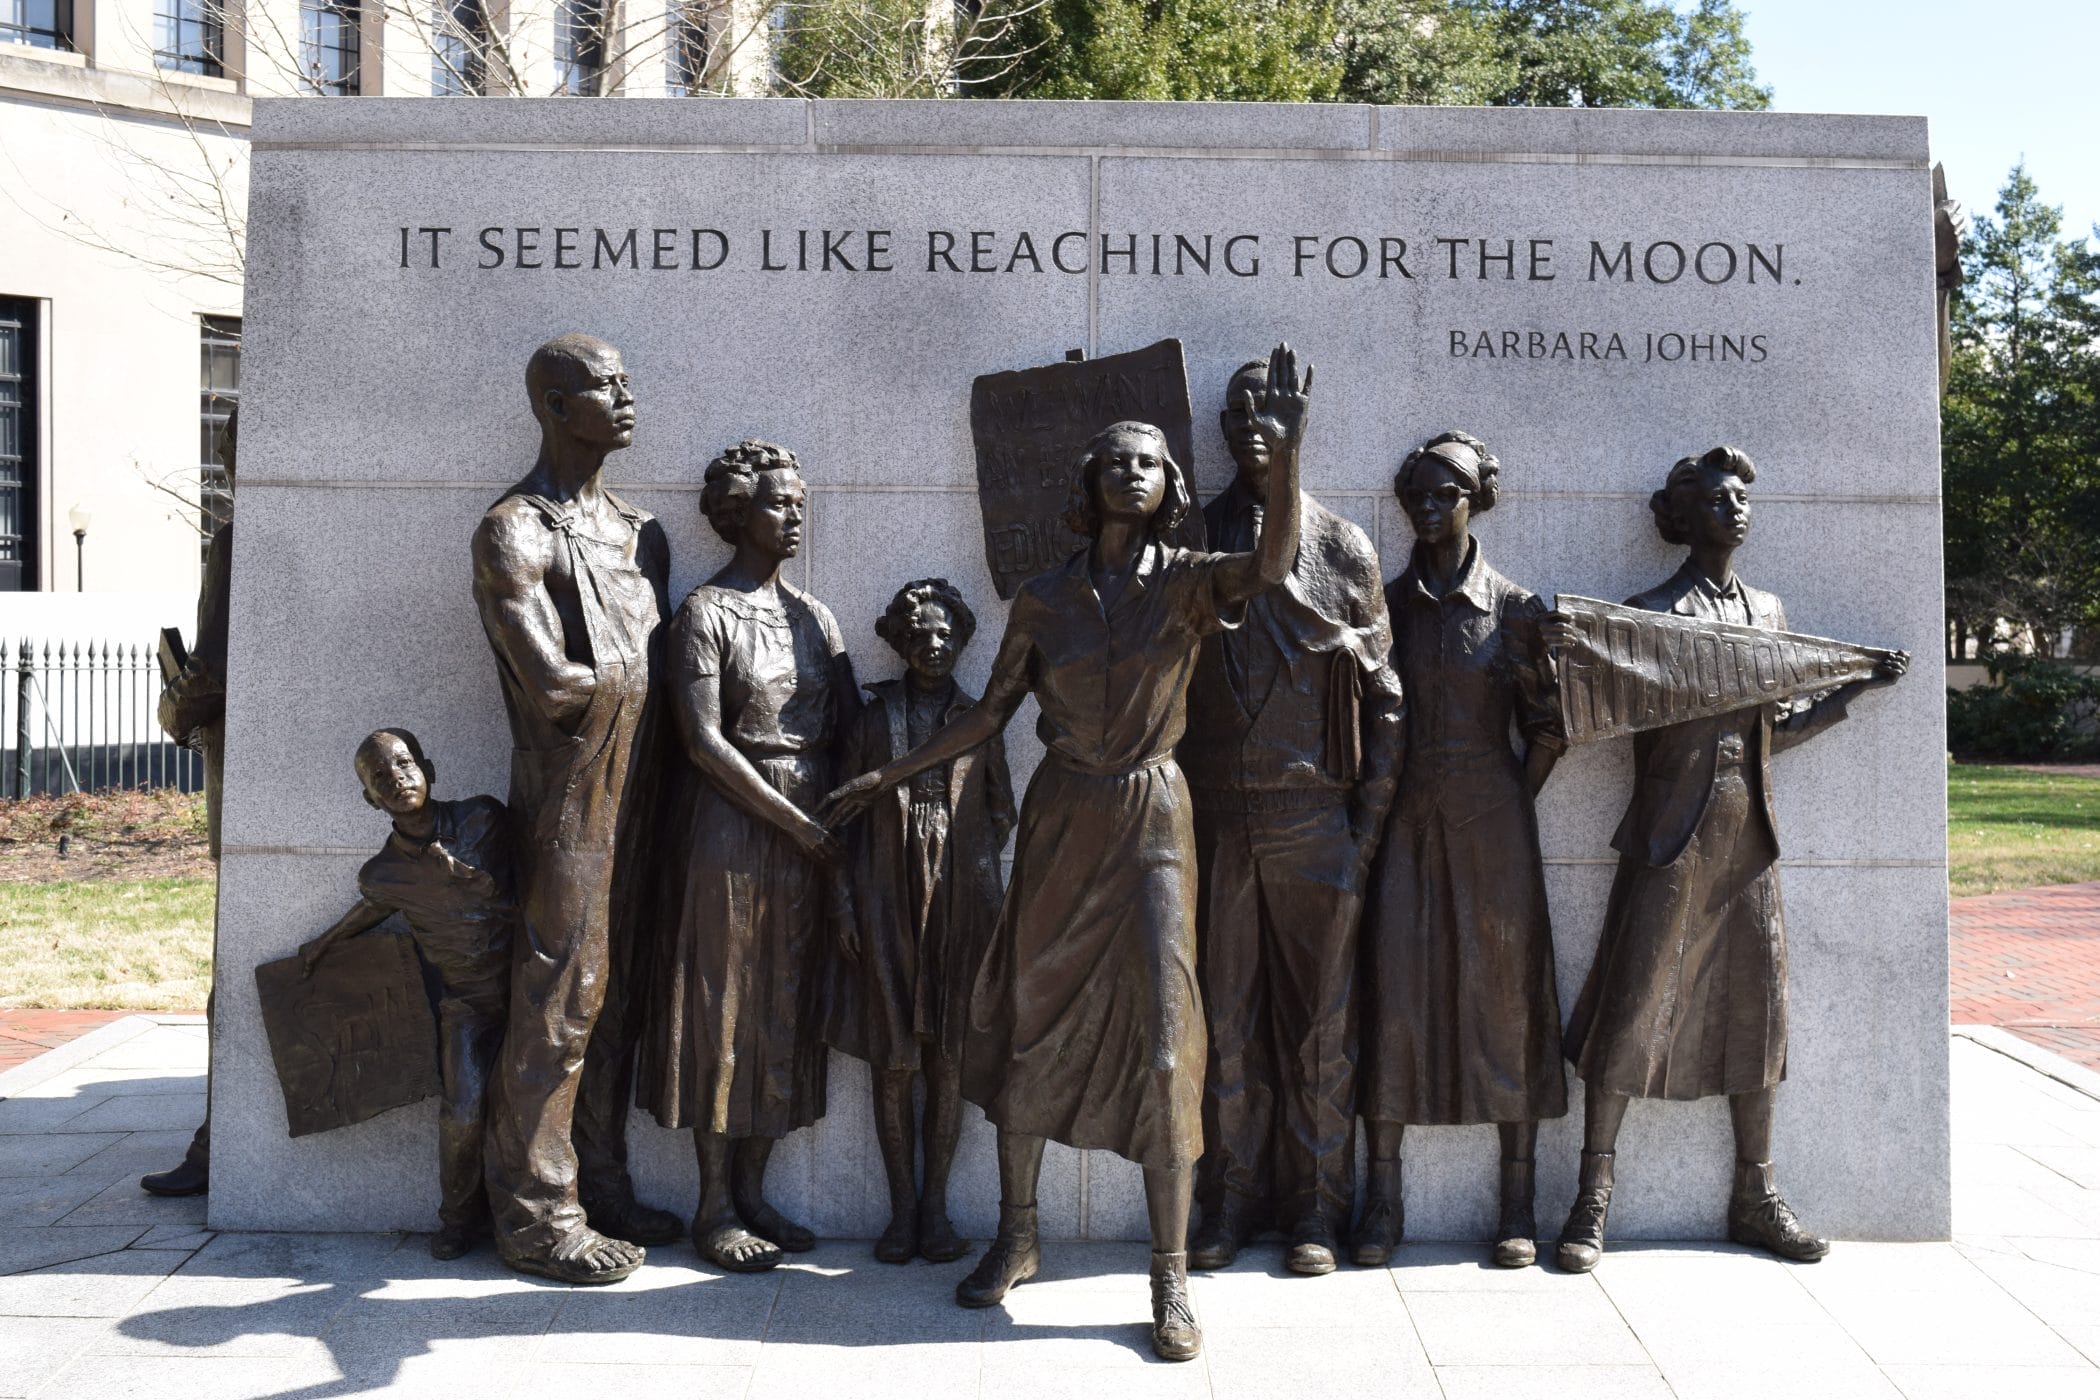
[(189, 36), (459, 43), (18, 444), (691, 46), (43, 24), (329, 34), (579, 46), (219, 390)]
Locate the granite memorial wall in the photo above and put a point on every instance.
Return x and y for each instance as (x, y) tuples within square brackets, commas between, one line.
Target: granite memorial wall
[(1594, 293)]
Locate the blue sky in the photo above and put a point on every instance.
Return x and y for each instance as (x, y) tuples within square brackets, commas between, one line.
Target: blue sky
[(1998, 80)]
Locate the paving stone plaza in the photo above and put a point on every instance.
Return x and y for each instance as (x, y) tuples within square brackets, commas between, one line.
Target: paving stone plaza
[(109, 1293)]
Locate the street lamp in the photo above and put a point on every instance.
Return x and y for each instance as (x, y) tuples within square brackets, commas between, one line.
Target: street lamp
[(80, 516)]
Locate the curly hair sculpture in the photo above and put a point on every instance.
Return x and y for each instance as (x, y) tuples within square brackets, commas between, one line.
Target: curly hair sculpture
[(732, 480), (1684, 476), (894, 626)]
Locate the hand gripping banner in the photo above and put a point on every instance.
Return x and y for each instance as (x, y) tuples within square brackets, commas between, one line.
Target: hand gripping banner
[(1631, 669)]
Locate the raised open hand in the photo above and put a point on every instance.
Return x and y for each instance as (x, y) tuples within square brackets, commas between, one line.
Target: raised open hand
[(1279, 412)]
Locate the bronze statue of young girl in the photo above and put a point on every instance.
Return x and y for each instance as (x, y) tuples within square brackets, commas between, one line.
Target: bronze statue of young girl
[(1687, 995), (1461, 1019), (927, 888), (1086, 1026)]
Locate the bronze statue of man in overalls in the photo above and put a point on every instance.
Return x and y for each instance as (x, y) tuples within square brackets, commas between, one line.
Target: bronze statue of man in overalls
[(571, 582)]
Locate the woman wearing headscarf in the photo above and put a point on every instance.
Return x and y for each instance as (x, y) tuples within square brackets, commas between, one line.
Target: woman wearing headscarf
[(1462, 1022)]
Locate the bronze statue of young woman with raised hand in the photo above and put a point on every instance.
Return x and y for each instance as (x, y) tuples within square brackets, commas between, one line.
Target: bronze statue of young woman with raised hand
[(1086, 1026), (1687, 995)]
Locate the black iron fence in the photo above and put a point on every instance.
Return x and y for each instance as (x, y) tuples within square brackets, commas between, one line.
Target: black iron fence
[(80, 716)]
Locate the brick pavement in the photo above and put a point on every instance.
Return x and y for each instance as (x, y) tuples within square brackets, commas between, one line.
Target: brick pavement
[(26, 1034), (2029, 961), (2061, 770)]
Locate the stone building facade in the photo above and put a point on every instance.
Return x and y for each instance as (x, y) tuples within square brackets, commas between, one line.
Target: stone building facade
[(123, 192)]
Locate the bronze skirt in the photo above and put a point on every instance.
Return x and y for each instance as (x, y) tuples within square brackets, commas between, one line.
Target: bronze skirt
[(734, 1046), (1461, 1018), (1086, 1026), (1687, 995), (911, 990)]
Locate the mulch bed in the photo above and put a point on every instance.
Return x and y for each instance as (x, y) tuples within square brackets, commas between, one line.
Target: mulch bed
[(103, 836)]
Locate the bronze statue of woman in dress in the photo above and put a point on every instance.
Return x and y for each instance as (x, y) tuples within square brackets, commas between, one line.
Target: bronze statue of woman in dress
[(1687, 995), (927, 889), (762, 690), (1086, 1025), (1462, 1022)]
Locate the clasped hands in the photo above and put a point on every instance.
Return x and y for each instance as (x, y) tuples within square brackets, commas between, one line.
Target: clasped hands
[(818, 841), (817, 837)]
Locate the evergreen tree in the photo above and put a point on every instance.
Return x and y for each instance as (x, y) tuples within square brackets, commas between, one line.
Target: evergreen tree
[(2019, 431)]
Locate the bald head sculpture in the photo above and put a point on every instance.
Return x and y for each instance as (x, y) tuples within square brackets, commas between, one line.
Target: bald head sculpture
[(578, 388)]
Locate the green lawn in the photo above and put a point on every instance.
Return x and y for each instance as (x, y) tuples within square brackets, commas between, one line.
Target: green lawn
[(2008, 828), (129, 945)]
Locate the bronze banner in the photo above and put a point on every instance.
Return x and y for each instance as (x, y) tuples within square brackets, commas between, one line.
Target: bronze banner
[(1029, 426), (1632, 669)]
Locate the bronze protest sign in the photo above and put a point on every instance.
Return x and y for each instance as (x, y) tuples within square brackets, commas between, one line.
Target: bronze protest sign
[(1029, 425), (1631, 669), (355, 1038)]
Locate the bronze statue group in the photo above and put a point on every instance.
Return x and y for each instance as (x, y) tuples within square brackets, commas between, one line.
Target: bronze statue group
[(1279, 868)]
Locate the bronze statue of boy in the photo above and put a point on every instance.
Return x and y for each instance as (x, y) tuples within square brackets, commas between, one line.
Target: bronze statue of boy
[(446, 870)]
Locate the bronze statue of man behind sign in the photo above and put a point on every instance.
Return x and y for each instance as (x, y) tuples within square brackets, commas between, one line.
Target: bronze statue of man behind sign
[(572, 586), (193, 712), (446, 871), (1291, 753)]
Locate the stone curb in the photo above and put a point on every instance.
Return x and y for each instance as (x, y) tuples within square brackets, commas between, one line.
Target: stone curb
[(53, 1063), (2045, 1062)]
